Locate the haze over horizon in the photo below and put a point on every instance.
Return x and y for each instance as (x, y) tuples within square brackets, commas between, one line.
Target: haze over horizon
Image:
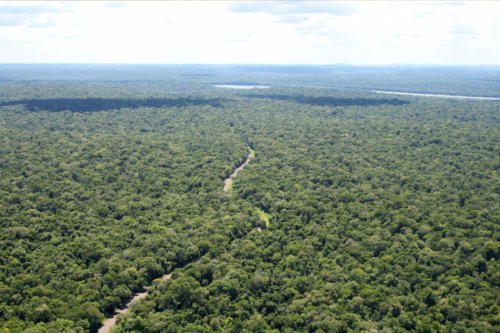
[(251, 32)]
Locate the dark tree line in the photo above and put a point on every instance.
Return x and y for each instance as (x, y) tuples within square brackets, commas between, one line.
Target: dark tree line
[(331, 100), (102, 104)]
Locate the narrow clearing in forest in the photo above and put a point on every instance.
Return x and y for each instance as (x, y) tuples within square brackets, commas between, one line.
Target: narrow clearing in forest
[(111, 322), (228, 185)]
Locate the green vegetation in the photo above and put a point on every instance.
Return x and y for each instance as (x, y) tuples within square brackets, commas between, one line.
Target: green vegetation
[(251, 152), (229, 185), (384, 215), (265, 217)]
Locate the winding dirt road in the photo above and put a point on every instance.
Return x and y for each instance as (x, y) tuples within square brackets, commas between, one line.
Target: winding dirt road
[(111, 322), (229, 180)]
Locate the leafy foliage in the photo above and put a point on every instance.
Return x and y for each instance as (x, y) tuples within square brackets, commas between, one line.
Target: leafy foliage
[(375, 216)]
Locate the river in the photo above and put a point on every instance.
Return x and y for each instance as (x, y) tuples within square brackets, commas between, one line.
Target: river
[(482, 98), (240, 86)]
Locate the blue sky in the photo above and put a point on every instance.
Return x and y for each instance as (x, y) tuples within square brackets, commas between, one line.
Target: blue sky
[(253, 32)]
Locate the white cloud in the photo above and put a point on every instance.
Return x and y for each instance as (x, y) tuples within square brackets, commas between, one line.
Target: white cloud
[(292, 7), (314, 32), (31, 8), (463, 29), (27, 13), (293, 19)]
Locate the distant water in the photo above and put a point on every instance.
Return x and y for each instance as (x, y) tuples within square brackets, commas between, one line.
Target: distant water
[(240, 86), (438, 95)]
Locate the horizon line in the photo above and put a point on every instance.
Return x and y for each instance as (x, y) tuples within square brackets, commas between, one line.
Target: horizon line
[(249, 64)]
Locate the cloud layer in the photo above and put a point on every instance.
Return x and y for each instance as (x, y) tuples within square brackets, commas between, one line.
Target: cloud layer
[(265, 32)]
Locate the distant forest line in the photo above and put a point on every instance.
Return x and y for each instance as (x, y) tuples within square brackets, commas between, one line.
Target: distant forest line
[(453, 80)]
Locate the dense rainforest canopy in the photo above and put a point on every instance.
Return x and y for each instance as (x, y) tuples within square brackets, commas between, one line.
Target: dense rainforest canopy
[(359, 212)]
